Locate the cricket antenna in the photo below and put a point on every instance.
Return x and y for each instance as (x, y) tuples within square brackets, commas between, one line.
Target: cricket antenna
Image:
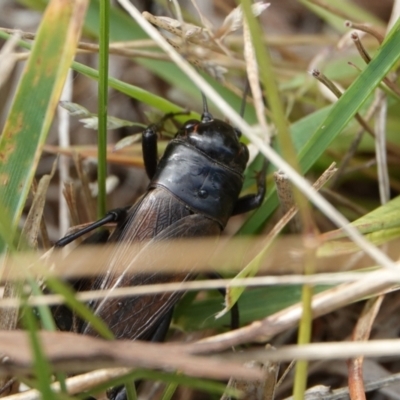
[(206, 116)]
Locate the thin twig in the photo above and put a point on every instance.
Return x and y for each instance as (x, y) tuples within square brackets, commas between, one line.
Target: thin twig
[(367, 29), (259, 281), (76, 384), (343, 393), (322, 304), (361, 49), (361, 334)]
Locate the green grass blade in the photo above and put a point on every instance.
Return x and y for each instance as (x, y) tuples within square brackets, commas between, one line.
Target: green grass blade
[(131, 391), (173, 378), (137, 93), (40, 365), (56, 286), (254, 304), (352, 100), (43, 310), (379, 226), (48, 324), (35, 101), (382, 218), (169, 391)]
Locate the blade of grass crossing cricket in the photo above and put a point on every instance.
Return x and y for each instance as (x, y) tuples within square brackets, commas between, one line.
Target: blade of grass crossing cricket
[(130, 389), (41, 367), (35, 102), (169, 391), (48, 324), (337, 119), (79, 308)]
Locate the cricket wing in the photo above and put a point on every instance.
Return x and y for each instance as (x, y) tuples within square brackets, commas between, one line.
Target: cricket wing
[(136, 317)]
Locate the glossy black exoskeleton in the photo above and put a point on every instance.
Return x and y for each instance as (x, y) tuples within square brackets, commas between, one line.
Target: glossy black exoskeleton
[(194, 189)]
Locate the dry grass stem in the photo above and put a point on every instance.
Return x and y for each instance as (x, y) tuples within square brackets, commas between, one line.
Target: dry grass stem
[(76, 384), (322, 304), (286, 199), (34, 220), (8, 57), (367, 29), (63, 348), (380, 149), (69, 193), (74, 353), (362, 333), (88, 200), (288, 216), (260, 281), (254, 80)]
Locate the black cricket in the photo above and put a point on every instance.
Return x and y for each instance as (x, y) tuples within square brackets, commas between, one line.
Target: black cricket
[(194, 189)]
